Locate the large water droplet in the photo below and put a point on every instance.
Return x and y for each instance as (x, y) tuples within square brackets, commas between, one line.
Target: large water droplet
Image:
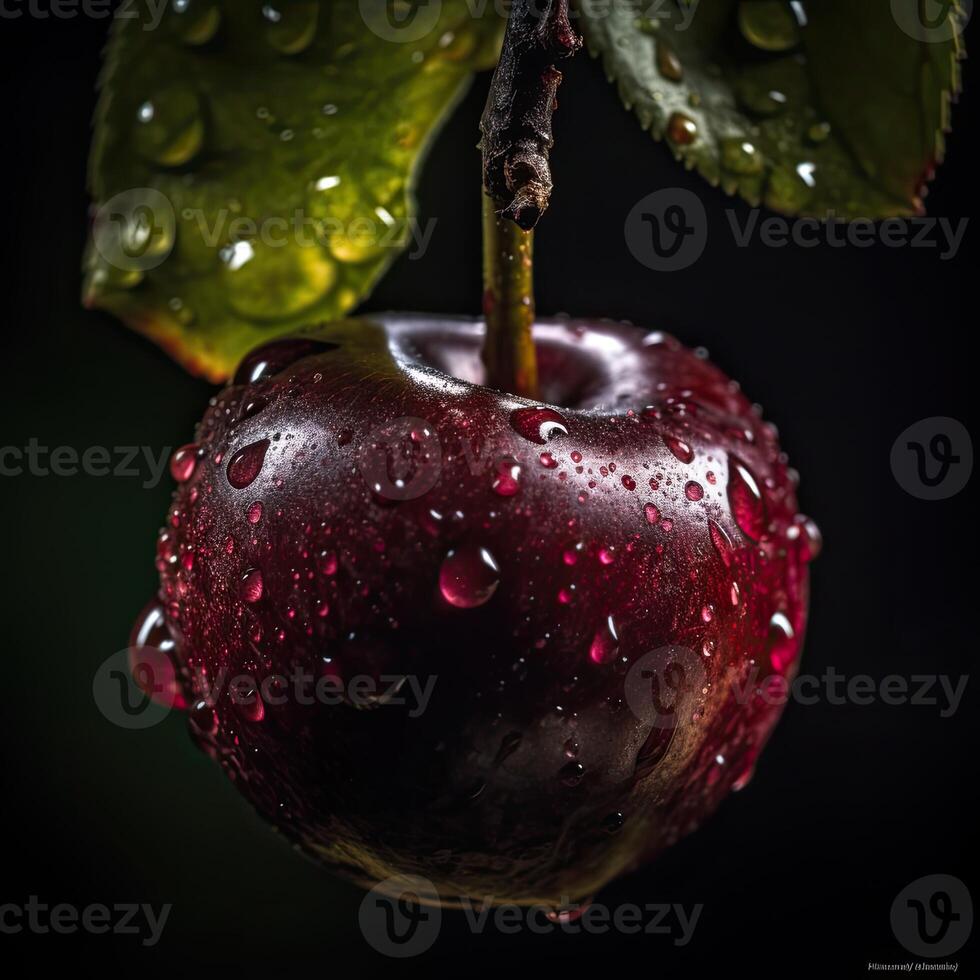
[(273, 281), (720, 540), (184, 462), (679, 448), (739, 156), (770, 25), (668, 64), (789, 189), (291, 24), (507, 478), (269, 359), (170, 127), (469, 576), (745, 499), (682, 130), (538, 424), (252, 586), (571, 773), (195, 21), (152, 650), (246, 464), (807, 535), (605, 642), (202, 718), (613, 822), (781, 642)]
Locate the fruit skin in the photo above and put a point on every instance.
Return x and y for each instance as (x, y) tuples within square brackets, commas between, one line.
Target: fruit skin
[(528, 778)]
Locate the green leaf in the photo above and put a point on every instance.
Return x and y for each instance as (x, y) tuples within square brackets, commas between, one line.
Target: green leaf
[(253, 164), (826, 108)]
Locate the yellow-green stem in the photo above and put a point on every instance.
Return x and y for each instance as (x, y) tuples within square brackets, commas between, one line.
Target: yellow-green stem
[(508, 304)]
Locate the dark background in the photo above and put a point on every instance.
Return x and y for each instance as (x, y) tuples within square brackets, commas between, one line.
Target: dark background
[(844, 348)]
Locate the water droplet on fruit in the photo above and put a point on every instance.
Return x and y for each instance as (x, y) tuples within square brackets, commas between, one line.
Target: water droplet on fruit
[(781, 642), (151, 657), (628, 482), (170, 127), (246, 464), (254, 512), (248, 700), (652, 513), (771, 25), (679, 448), (469, 577), (203, 719), (548, 461), (270, 359), (251, 407), (693, 490), (682, 130), (605, 642), (804, 531), (722, 543), (745, 499), (291, 24), (252, 586), (571, 773), (613, 823), (507, 478), (538, 424), (184, 462)]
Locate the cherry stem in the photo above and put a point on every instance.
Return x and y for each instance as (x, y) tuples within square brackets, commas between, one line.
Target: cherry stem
[(508, 304), (517, 140)]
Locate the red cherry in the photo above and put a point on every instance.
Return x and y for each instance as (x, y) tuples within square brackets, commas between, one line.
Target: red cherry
[(393, 523)]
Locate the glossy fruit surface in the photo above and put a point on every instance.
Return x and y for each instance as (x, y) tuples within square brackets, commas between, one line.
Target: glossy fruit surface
[(364, 514)]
